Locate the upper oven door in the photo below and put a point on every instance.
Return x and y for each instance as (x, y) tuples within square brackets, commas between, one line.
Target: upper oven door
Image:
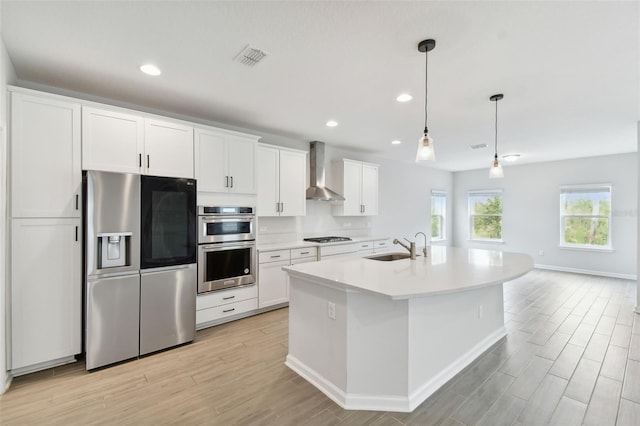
[(218, 229)]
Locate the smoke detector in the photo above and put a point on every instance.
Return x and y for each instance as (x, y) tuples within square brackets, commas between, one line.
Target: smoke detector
[(250, 56)]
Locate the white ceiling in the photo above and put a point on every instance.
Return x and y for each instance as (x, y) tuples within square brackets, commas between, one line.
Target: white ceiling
[(569, 70)]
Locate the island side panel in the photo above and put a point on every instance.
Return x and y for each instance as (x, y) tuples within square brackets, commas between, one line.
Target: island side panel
[(447, 332), (317, 343), (377, 359)]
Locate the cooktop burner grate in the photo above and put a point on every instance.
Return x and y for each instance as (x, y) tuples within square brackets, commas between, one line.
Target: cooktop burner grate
[(331, 239)]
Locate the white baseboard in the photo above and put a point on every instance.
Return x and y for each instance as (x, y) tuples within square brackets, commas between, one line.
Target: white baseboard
[(397, 403), (587, 272), (7, 382), (428, 388)]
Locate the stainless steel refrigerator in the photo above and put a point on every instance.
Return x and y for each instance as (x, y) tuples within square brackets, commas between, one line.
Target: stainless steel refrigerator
[(140, 255)]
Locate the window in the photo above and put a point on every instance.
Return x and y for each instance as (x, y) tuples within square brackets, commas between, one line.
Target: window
[(438, 215), (485, 215), (585, 216)]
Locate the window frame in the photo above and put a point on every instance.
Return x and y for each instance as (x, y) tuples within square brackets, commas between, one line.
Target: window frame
[(471, 214), (586, 188), (443, 216)]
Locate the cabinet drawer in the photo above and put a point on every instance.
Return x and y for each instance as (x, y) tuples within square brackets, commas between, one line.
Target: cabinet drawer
[(299, 253), (218, 312), (381, 244), (366, 246), (224, 297), (274, 256), (338, 249)]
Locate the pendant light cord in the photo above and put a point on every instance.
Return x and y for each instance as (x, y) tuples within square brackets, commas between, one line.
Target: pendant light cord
[(426, 75), (496, 133)]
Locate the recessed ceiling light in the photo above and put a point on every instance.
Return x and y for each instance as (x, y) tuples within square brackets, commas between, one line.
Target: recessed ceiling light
[(332, 123), (404, 97), (511, 157), (150, 69), (396, 142)]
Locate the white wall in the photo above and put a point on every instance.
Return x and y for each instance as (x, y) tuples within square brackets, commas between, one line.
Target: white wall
[(404, 202), (531, 211), (7, 76)]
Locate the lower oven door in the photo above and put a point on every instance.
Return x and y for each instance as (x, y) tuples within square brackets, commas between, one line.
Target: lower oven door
[(226, 265)]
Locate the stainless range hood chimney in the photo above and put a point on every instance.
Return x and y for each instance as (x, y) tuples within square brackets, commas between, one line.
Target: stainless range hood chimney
[(317, 190)]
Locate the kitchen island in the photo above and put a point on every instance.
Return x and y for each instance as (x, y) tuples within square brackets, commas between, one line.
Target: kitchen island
[(384, 335)]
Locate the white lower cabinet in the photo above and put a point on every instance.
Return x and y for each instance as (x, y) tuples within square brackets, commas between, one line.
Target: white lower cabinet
[(381, 246), (45, 292), (273, 282), (218, 305)]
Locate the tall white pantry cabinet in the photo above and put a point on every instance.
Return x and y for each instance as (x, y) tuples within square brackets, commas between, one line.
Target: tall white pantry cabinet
[(46, 214)]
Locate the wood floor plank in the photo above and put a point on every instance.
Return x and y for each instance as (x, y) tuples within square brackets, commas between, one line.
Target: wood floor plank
[(614, 363), (483, 398), (628, 414), (631, 389), (621, 336), (583, 380), (505, 411), (527, 382), (603, 407), (569, 412), (544, 400), (567, 361)]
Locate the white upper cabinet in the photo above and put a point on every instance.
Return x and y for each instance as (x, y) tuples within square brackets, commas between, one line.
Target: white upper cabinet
[(115, 141), (46, 178), (358, 182), (225, 162), (281, 182), (168, 149), (112, 141)]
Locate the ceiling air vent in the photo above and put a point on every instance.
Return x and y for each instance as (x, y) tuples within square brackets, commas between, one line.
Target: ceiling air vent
[(479, 146), (250, 56)]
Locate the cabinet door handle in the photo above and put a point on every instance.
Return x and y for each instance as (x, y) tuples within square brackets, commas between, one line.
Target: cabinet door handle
[(226, 181), (77, 199), (281, 207), (228, 310), (148, 161), (364, 208), (304, 252), (228, 297), (76, 233), (277, 207), (140, 160), (232, 181), (275, 257)]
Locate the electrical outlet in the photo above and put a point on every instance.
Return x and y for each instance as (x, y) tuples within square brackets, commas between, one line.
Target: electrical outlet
[(262, 228), (331, 310), (540, 252), (480, 311)]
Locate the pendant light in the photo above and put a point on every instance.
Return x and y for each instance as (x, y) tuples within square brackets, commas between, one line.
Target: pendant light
[(496, 171), (425, 143)]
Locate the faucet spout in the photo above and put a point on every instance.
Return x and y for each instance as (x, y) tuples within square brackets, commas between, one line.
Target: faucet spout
[(424, 249), (411, 247)]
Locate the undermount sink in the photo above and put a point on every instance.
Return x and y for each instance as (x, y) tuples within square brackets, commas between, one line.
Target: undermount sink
[(389, 257)]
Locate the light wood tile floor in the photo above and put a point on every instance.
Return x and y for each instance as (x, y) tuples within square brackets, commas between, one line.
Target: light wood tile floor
[(572, 356)]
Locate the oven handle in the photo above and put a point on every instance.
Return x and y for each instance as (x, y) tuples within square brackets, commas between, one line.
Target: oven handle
[(225, 218), (227, 246)]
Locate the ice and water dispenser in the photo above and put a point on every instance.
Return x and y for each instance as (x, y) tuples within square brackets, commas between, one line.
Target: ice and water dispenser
[(113, 249)]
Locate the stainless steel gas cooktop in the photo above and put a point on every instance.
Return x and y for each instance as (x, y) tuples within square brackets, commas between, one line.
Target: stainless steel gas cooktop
[(332, 239)]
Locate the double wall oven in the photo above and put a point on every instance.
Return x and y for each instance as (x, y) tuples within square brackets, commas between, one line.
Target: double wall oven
[(226, 247)]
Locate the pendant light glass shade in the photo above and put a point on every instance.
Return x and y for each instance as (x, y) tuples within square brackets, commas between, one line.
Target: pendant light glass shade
[(425, 143), (496, 172), (425, 149)]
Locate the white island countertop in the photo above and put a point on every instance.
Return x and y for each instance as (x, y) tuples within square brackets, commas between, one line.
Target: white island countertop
[(444, 270)]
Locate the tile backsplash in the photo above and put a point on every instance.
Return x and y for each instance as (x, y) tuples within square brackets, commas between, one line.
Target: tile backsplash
[(318, 222)]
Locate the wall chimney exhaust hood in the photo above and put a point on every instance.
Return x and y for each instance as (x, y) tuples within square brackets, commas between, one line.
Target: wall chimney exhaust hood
[(317, 190)]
